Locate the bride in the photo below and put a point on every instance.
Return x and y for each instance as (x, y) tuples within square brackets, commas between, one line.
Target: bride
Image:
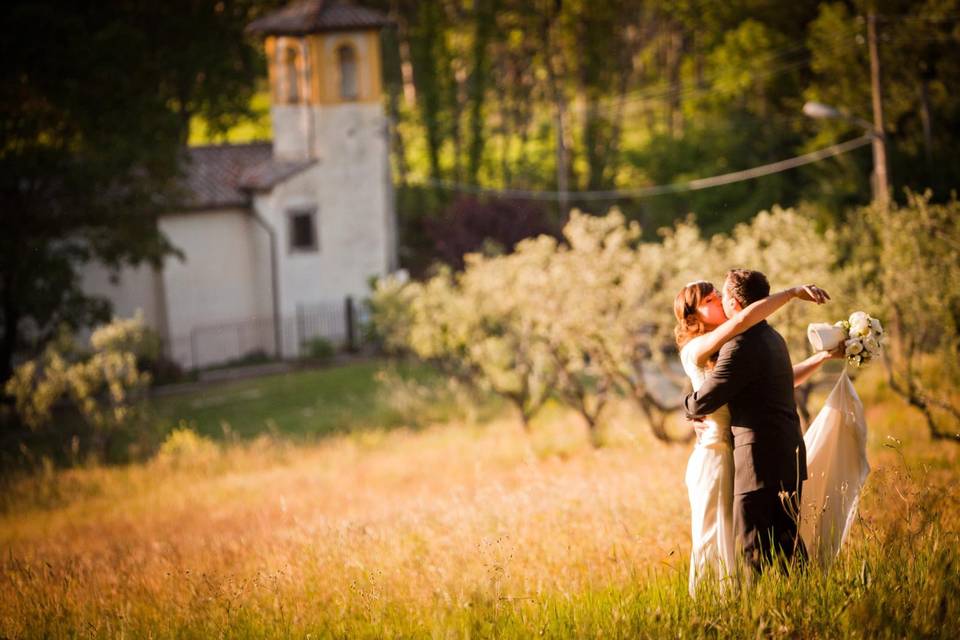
[(702, 328)]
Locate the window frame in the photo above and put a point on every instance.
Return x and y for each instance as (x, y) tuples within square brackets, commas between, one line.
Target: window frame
[(340, 49), (312, 213)]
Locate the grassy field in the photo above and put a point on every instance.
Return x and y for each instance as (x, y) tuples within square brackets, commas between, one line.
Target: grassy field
[(462, 525), (311, 403)]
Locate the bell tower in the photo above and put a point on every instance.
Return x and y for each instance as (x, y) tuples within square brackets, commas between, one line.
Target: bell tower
[(323, 58)]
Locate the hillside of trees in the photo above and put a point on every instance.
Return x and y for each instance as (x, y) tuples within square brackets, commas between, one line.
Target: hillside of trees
[(569, 95)]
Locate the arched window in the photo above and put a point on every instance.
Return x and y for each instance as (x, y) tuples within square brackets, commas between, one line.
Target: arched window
[(347, 59), (291, 76)]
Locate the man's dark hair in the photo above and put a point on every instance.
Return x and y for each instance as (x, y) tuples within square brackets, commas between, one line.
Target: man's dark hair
[(747, 286)]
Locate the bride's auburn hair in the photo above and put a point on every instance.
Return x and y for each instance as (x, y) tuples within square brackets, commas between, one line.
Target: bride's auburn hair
[(689, 324)]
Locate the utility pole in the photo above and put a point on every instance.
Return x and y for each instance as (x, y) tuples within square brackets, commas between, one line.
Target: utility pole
[(881, 185)]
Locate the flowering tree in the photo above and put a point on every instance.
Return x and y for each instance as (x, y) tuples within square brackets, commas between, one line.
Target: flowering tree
[(103, 385), (590, 317)]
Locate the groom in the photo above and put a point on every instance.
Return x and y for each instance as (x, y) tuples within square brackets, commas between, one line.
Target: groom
[(753, 376)]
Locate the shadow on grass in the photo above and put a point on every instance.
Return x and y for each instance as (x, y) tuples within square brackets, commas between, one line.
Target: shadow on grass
[(299, 406)]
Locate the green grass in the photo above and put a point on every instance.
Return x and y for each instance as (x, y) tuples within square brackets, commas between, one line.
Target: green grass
[(300, 405), (314, 402)]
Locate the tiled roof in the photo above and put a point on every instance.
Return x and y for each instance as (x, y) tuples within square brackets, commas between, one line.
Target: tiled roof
[(218, 176), (271, 172), (316, 16)]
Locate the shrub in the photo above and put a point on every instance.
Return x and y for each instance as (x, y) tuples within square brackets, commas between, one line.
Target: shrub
[(185, 448), (105, 385), (318, 348), (492, 225)]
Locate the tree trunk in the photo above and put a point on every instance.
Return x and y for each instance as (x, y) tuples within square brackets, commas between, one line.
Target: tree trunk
[(9, 339), (424, 49), (484, 12), (559, 119), (925, 120), (674, 61), (394, 81)]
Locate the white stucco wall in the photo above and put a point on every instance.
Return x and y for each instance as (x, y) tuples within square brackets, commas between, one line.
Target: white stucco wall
[(292, 137), (216, 304), (351, 191), (132, 288)]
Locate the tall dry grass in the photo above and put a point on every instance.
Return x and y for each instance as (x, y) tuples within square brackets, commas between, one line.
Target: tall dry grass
[(457, 530)]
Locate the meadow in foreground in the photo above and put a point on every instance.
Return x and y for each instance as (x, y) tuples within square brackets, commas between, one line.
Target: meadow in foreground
[(461, 529)]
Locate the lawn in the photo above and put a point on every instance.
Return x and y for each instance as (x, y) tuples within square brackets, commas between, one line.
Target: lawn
[(464, 526), (305, 403)]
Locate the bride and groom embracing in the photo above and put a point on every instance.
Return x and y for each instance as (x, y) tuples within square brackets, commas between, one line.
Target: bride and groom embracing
[(745, 477)]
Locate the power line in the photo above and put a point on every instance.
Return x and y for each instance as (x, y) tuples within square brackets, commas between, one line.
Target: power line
[(643, 192)]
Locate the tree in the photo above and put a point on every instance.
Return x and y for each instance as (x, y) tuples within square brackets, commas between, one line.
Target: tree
[(588, 317), (469, 225), (95, 104), (916, 45), (904, 263)]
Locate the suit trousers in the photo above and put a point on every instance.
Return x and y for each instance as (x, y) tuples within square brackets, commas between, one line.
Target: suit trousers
[(765, 528)]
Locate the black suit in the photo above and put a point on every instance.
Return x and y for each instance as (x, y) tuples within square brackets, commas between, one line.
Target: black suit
[(754, 378)]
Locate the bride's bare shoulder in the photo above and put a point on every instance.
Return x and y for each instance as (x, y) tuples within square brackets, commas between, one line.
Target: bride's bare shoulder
[(687, 350)]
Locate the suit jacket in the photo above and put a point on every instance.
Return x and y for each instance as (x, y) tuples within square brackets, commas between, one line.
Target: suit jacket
[(754, 378)]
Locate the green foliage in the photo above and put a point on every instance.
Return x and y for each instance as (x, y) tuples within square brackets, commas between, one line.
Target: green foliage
[(184, 448), (319, 348), (657, 93)]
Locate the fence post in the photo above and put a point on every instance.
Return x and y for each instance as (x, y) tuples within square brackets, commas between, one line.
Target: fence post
[(351, 337), (193, 348), (301, 329)]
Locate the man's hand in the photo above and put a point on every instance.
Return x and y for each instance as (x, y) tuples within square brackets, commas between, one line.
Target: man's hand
[(811, 293)]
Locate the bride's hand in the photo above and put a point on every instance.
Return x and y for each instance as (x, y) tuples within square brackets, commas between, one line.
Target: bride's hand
[(838, 353), (811, 293)]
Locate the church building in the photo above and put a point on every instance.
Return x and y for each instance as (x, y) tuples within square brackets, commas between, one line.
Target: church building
[(272, 230)]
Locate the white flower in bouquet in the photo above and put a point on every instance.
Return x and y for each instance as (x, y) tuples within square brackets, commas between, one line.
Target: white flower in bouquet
[(858, 316), (864, 338), (854, 346)]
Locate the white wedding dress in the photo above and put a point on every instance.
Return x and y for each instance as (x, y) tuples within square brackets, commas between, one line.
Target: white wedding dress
[(836, 468), (709, 480)]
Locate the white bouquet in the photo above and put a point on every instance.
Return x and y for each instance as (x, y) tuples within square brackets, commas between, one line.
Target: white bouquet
[(864, 338)]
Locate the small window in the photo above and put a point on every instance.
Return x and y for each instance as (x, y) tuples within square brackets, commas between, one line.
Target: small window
[(347, 57), (303, 230), (291, 76)]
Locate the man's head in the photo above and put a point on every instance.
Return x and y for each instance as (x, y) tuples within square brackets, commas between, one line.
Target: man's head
[(742, 287)]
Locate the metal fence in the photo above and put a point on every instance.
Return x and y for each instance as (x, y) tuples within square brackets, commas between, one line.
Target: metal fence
[(254, 339)]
